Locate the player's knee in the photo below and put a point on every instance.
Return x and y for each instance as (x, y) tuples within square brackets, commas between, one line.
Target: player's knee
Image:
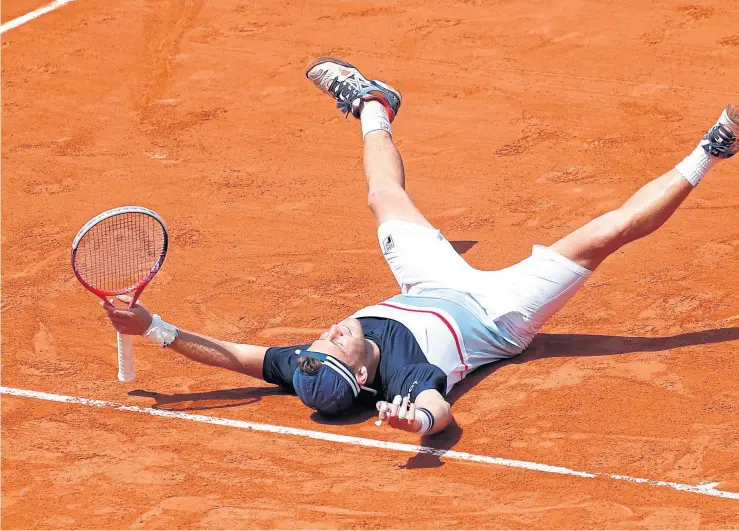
[(379, 197)]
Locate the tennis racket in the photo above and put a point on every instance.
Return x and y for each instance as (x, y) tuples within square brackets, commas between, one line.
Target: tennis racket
[(119, 252)]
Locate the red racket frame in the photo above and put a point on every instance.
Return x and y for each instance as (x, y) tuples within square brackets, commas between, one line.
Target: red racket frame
[(138, 288)]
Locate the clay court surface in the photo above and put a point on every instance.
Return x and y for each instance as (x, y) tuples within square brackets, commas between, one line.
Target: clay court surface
[(520, 121)]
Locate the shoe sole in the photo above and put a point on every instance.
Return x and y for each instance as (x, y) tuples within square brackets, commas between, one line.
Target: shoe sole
[(325, 59), (317, 61)]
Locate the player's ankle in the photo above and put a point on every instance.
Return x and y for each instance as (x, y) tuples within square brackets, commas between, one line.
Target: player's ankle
[(374, 117), (697, 165)]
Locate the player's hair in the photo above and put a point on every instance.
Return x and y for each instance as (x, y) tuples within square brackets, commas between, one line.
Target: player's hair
[(309, 365)]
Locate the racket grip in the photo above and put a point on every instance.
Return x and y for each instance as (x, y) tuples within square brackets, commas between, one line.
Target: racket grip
[(125, 358)]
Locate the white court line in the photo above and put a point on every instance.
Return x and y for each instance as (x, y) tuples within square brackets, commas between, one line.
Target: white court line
[(33, 14), (708, 489)]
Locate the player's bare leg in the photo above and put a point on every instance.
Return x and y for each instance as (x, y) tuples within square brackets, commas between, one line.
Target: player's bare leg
[(642, 214), (384, 174), (652, 205), (383, 166), (376, 103)]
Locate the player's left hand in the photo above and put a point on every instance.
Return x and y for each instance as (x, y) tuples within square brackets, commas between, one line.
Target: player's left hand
[(400, 414)]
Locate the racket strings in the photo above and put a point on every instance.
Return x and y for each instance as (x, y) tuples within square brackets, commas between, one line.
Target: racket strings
[(120, 252)]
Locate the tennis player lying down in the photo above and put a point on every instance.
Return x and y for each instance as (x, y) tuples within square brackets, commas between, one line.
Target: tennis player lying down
[(407, 352)]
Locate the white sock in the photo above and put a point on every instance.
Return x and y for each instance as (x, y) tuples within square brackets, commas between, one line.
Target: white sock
[(374, 117), (696, 165)]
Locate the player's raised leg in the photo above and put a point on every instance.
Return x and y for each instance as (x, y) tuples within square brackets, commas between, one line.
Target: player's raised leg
[(384, 175), (376, 104), (652, 205)]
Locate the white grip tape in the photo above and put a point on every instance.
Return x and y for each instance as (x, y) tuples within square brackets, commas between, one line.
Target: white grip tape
[(126, 372)]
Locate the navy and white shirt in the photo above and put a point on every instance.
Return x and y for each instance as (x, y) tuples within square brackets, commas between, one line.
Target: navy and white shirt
[(429, 341)]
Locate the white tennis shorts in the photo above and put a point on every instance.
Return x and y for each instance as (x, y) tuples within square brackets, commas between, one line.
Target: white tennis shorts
[(519, 298)]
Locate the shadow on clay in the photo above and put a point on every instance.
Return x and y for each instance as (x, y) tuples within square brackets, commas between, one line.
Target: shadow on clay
[(557, 345), (462, 246), (220, 399), (358, 414), (439, 443)]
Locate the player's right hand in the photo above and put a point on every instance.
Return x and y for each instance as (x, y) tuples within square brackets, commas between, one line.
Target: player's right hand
[(129, 321), (400, 414)]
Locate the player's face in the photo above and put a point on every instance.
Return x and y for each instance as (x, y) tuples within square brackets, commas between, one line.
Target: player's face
[(344, 341)]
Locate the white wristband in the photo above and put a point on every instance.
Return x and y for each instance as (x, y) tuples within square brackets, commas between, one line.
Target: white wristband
[(161, 332)]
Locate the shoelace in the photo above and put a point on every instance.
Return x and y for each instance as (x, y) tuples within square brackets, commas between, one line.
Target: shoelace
[(720, 140), (345, 95)]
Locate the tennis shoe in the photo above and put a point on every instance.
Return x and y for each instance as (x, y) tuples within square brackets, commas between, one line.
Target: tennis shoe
[(346, 84), (721, 140)]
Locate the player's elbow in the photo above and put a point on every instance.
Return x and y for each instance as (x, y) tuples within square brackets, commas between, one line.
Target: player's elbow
[(448, 417), (443, 418)]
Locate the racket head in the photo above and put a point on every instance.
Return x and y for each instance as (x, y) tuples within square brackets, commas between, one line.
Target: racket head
[(119, 251)]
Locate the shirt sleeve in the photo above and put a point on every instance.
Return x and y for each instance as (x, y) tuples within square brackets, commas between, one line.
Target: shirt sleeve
[(280, 364), (415, 378)]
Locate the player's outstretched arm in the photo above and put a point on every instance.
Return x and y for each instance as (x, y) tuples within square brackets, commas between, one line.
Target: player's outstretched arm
[(238, 357), (246, 359), (429, 414)]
